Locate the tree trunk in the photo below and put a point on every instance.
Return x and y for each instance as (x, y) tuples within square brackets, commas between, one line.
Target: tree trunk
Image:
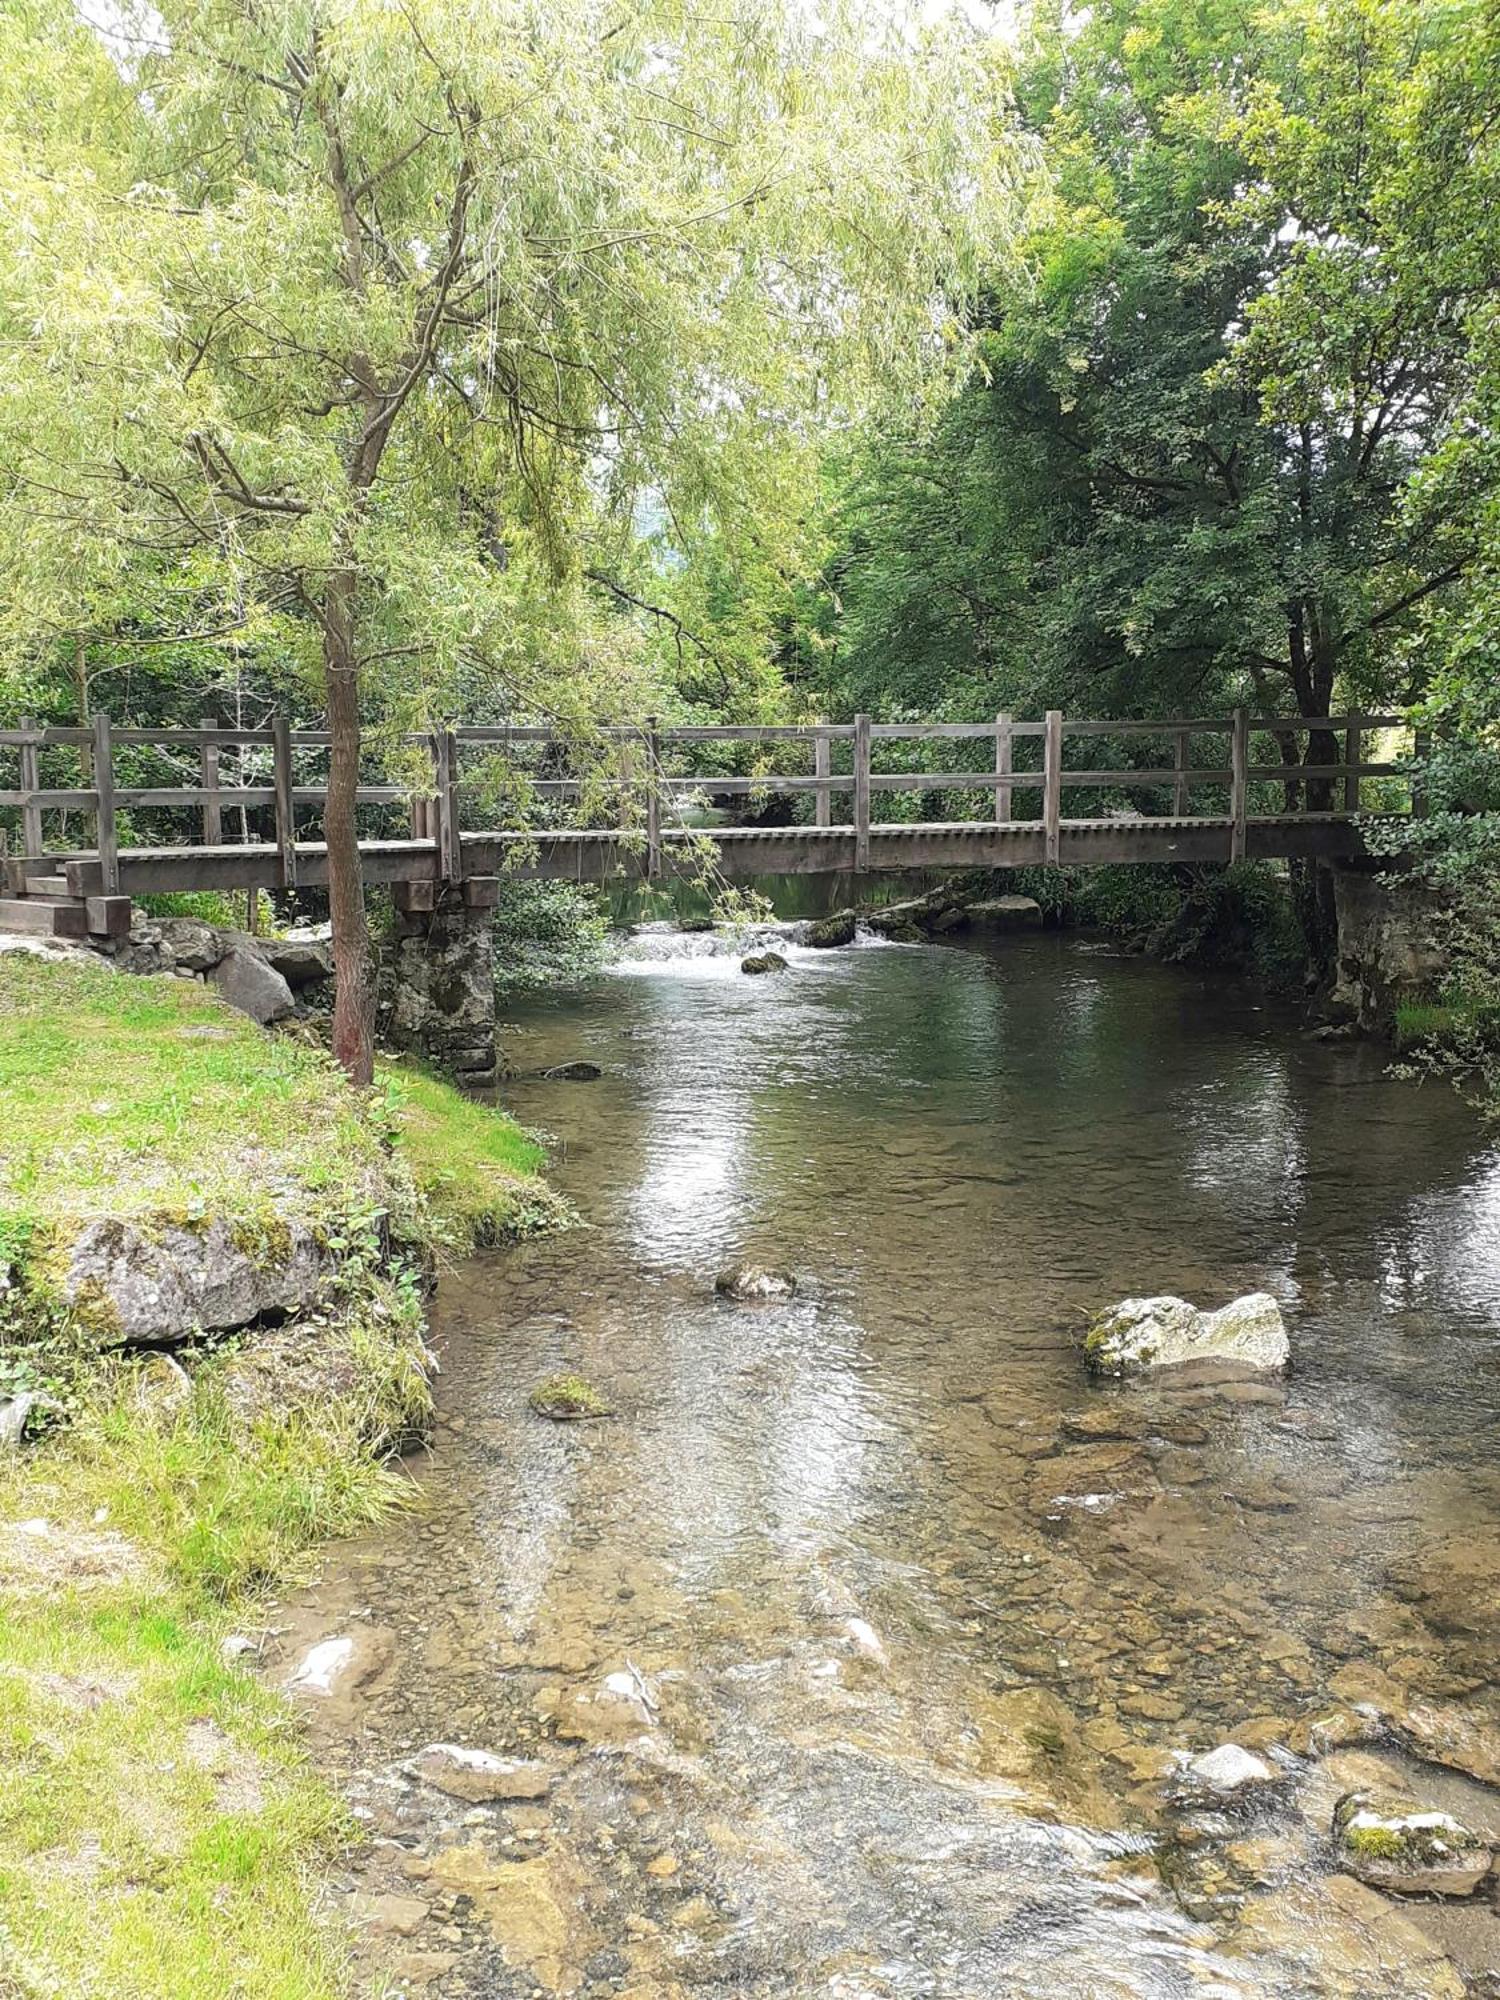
[(353, 972)]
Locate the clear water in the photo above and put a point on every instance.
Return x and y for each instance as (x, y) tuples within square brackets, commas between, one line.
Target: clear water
[(925, 1622)]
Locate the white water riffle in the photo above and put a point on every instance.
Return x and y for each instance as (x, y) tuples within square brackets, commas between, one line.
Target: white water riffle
[(661, 948)]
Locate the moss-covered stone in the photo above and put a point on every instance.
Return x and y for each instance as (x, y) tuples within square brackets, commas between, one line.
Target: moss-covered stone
[(1407, 1848), (828, 933), (568, 1398)]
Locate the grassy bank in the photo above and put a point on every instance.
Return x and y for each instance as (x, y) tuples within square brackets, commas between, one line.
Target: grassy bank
[(160, 1833)]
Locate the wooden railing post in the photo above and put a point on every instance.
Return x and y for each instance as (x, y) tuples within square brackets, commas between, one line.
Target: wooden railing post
[(31, 781), (450, 854), (861, 793), (1003, 749), (823, 768), (1239, 783), (1180, 748), (1421, 750), (286, 818), (653, 798), (104, 806), (208, 765), (1353, 736), (1052, 786)]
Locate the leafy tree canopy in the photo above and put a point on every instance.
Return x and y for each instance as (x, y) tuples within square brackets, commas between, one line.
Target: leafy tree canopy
[(1235, 438)]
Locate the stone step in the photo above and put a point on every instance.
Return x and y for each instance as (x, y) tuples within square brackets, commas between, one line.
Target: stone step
[(42, 918), (47, 885)]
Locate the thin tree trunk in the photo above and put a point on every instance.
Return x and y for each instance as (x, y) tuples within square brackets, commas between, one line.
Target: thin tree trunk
[(354, 984)]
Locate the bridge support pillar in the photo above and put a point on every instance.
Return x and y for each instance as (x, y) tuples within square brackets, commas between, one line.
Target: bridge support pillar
[(437, 983)]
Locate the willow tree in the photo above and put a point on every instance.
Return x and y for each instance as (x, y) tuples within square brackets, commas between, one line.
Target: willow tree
[(377, 308)]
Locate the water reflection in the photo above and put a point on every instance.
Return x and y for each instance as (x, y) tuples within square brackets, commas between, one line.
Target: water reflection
[(925, 1619)]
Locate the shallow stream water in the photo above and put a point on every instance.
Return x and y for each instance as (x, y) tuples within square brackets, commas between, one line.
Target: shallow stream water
[(910, 1627)]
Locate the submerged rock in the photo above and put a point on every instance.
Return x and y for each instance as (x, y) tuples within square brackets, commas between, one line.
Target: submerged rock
[(830, 932), (1167, 1332), (763, 961), (617, 1712), (1339, 1940), (1227, 1772), (573, 1072), (334, 1668), (754, 1282), (479, 1776), (866, 1640), (1408, 1849)]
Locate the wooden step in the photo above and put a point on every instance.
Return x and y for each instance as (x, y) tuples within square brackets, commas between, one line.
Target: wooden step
[(43, 919), (48, 885)]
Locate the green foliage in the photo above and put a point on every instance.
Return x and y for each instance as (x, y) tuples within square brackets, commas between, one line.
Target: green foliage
[(210, 906), (1232, 443), (343, 338), (1455, 852), (548, 934), (1242, 917)]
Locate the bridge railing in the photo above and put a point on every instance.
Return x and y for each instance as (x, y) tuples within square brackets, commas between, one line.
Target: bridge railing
[(632, 764)]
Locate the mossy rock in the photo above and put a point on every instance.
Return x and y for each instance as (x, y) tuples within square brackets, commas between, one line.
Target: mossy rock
[(830, 932), (763, 961), (1407, 1848), (568, 1399)]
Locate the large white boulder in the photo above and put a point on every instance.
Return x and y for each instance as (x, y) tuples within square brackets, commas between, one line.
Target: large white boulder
[(1167, 1332)]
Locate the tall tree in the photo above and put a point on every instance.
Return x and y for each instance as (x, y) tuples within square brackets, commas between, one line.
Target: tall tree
[(373, 310), (1185, 465)]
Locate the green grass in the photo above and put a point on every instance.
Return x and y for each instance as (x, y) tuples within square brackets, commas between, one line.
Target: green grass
[(123, 1096), (1439, 1024), (476, 1170), (148, 1098), (161, 1835), (160, 1830)]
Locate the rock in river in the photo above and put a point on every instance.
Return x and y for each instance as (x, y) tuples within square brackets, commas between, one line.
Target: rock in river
[(1408, 1849), (1228, 1772), (1166, 1332), (829, 932), (479, 1775), (1007, 913), (754, 1282), (763, 961)]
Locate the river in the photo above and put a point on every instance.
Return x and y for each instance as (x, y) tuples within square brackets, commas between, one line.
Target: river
[(912, 1626)]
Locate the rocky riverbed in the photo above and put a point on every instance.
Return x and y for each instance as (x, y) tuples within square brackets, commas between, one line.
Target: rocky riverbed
[(869, 1647)]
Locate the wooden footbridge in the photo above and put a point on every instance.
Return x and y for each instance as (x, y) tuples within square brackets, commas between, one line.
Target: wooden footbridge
[(221, 807)]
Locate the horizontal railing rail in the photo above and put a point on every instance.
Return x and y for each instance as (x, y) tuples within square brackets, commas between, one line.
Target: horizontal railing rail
[(631, 768)]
